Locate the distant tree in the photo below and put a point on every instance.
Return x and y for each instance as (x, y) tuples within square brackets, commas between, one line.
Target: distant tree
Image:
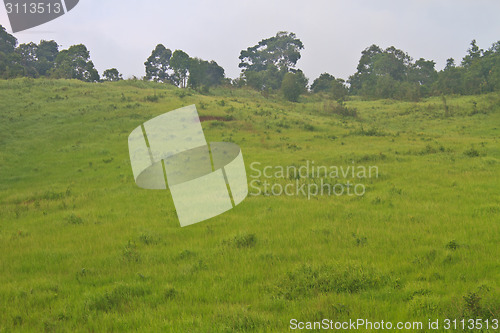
[(10, 61), (282, 51), (481, 69), (265, 64), (180, 65), (392, 62), (293, 85), (423, 75), (339, 90), (112, 74), (479, 72), (322, 83), (75, 63), (158, 64), (204, 74), (450, 80), (28, 58), (7, 42), (365, 69), (214, 74), (46, 54), (270, 78), (327, 83), (450, 63), (493, 62), (473, 53), (391, 73)]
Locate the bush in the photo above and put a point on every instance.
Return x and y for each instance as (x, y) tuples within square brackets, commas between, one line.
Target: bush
[(292, 87)]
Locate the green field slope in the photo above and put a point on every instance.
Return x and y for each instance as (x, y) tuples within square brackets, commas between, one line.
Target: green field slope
[(82, 248)]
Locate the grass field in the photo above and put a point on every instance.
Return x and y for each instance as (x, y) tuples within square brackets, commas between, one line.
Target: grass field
[(82, 248)]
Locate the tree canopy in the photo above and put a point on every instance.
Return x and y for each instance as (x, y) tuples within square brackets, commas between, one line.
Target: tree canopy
[(181, 70), (44, 59), (158, 64), (264, 65), (270, 65), (112, 74), (293, 85), (392, 73), (75, 63), (180, 65)]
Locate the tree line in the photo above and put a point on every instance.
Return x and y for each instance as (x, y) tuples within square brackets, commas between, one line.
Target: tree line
[(270, 66)]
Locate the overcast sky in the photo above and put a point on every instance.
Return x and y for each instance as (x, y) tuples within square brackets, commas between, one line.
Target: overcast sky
[(122, 33)]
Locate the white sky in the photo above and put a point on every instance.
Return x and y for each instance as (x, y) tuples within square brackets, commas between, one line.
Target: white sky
[(122, 33)]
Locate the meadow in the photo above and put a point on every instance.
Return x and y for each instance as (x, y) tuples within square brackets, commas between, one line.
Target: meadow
[(82, 248)]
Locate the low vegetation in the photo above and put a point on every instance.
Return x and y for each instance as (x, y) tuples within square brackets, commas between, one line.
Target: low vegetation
[(82, 248)]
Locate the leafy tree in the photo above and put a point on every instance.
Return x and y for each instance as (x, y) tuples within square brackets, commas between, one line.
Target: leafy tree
[(322, 83), (364, 69), (473, 54), (75, 63), (180, 65), (293, 85), (282, 51), (264, 65), (10, 65), (204, 74), (270, 78), (158, 64), (46, 54), (7, 41), (391, 73), (423, 75), (339, 90), (392, 62), (28, 58), (112, 74), (329, 84), (450, 63), (450, 80), (481, 69), (478, 73)]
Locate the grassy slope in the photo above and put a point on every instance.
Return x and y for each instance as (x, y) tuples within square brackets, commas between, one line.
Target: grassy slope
[(82, 248)]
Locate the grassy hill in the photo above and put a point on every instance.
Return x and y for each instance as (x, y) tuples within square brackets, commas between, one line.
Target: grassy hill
[(82, 248)]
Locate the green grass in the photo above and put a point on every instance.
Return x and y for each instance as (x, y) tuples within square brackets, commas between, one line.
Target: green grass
[(82, 248)]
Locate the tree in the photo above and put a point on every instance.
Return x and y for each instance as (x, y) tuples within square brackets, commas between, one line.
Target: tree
[(339, 90), (28, 58), (478, 73), (293, 85), (473, 53), (422, 75), (322, 83), (180, 65), (330, 85), (46, 54), (450, 63), (204, 74), (158, 64), (75, 63), (9, 60), (7, 41), (391, 73), (450, 79), (364, 69), (112, 74), (271, 58)]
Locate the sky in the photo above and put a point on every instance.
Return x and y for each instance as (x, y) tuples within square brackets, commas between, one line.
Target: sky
[(122, 33)]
